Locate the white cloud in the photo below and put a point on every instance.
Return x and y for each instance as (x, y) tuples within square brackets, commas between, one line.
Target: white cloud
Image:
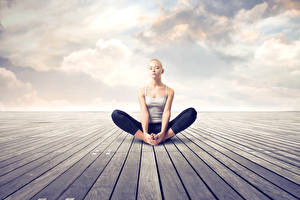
[(243, 59), (111, 62), (19, 95), (272, 76), (12, 88), (275, 52), (38, 35), (253, 15)]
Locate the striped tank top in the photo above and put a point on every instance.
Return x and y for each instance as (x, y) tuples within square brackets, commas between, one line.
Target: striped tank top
[(155, 106)]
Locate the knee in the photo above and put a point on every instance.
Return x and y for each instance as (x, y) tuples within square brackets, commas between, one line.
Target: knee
[(192, 112), (116, 114)]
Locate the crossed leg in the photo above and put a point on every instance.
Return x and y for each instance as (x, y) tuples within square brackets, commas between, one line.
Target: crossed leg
[(132, 126)]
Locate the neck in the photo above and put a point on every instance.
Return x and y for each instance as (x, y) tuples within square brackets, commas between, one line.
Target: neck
[(156, 83)]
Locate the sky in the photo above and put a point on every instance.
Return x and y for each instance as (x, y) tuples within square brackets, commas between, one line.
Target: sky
[(73, 55)]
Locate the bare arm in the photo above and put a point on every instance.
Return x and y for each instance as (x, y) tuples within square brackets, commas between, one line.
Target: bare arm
[(144, 110), (167, 111)]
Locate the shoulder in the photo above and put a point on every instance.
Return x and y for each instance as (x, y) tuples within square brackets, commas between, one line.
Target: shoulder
[(141, 91), (171, 91)]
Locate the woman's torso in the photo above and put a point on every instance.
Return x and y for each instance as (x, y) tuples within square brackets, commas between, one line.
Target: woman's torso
[(155, 105)]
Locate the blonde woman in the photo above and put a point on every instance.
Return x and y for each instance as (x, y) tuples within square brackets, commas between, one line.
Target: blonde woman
[(155, 101)]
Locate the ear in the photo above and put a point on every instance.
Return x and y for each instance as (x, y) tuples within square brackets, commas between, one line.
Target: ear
[(162, 70)]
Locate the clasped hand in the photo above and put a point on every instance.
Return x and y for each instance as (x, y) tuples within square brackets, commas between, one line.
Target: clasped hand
[(154, 139)]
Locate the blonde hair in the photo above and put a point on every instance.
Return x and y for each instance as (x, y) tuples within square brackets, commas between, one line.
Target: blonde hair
[(158, 61)]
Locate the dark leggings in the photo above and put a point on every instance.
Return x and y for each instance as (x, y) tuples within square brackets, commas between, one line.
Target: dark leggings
[(131, 125)]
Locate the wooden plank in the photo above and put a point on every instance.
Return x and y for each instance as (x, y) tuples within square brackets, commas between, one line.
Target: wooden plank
[(272, 135), (267, 174), (252, 156), (262, 138), (269, 138), (44, 158), (104, 185), (275, 151), (15, 143), (244, 144), (20, 150), (30, 156), (41, 132), (172, 187), (23, 185), (269, 133), (221, 189), (126, 187), (149, 186), (240, 185), (218, 157), (195, 186), (274, 126), (82, 185), (252, 178), (61, 183)]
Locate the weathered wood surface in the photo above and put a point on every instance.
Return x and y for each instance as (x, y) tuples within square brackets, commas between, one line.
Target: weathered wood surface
[(83, 155)]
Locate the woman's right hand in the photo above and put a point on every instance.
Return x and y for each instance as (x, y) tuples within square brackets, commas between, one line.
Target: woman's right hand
[(152, 136), (149, 139)]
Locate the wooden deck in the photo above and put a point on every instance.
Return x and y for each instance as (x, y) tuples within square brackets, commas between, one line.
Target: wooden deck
[(83, 155)]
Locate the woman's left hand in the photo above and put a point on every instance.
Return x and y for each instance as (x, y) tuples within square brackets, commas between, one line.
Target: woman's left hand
[(159, 137), (153, 136)]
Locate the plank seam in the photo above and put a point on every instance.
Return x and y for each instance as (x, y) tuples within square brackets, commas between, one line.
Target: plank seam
[(242, 165), (213, 170), (177, 173), (160, 184), (123, 164), (230, 169), (138, 179)]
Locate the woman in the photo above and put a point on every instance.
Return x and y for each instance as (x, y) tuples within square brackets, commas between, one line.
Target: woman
[(155, 103)]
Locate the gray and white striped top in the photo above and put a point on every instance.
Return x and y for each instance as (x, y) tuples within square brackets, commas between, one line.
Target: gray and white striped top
[(155, 106)]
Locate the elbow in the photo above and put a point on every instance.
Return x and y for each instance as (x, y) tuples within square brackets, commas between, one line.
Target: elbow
[(167, 113), (145, 113)]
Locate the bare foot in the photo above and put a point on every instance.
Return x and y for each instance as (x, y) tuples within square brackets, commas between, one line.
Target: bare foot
[(159, 138), (149, 139)]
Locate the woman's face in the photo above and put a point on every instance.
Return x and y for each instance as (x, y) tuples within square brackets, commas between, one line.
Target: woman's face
[(155, 70)]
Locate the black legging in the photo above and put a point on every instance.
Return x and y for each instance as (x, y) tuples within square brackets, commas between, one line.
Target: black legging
[(131, 125)]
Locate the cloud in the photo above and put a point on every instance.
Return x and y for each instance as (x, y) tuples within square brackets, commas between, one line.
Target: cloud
[(6, 3), (12, 88), (196, 23), (186, 22), (19, 95), (272, 77), (39, 35), (230, 7), (217, 54), (1, 28), (275, 63), (111, 62)]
